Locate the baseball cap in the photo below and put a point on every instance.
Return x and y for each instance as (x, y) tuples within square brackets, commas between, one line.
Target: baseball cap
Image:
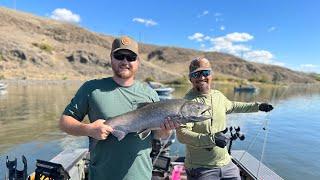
[(125, 42), (198, 64)]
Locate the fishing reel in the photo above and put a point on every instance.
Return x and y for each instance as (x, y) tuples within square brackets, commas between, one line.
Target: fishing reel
[(235, 133)]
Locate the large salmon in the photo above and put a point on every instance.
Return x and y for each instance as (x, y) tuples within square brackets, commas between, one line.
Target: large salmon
[(149, 116)]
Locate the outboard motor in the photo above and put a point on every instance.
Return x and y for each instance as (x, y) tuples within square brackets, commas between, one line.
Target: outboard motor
[(13, 173)]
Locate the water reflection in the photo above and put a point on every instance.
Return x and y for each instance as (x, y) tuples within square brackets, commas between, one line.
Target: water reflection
[(29, 112), (29, 120)]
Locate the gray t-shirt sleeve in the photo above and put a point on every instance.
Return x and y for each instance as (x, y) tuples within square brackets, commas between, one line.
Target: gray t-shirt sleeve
[(78, 107)]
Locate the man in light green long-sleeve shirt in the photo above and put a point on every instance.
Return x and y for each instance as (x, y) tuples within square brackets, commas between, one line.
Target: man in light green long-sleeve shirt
[(206, 158)]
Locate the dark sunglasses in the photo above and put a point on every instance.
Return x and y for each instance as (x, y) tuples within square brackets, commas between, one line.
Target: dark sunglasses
[(204, 73), (121, 56)]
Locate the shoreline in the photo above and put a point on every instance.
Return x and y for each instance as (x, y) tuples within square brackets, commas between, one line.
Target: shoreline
[(58, 82)]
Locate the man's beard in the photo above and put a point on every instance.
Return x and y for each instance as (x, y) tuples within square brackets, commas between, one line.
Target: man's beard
[(123, 74), (204, 88)]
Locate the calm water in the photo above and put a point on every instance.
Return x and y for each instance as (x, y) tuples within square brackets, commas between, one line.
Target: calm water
[(29, 116)]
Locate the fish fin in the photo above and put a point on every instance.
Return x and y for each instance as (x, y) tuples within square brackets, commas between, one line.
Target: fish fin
[(119, 134), (140, 105), (144, 133)]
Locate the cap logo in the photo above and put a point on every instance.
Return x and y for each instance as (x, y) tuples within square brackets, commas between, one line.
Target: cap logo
[(126, 41)]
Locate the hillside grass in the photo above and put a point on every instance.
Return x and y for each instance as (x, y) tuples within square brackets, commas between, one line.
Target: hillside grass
[(43, 46)]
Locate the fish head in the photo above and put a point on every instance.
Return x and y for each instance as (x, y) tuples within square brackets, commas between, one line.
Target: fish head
[(195, 111)]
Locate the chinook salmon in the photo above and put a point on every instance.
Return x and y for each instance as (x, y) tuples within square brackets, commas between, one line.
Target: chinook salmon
[(149, 116)]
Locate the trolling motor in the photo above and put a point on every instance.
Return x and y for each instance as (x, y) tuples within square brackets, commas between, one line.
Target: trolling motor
[(50, 170), (13, 173), (234, 134)]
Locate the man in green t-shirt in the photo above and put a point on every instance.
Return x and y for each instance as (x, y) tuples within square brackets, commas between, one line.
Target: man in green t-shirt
[(206, 152), (105, 98)]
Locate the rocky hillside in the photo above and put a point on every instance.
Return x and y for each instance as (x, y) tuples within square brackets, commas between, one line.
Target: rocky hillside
[(34, 47)]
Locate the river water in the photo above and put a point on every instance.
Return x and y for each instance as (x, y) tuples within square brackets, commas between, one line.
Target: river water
[(29, 114)]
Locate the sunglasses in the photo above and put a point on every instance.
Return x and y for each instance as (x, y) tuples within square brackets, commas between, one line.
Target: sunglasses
[(204, 73), (120, 57)]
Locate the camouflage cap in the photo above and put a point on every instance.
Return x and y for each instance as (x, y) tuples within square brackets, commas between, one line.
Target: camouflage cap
[(198, 64), (125, 42)]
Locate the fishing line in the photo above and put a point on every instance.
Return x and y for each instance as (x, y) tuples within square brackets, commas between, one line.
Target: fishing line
[(264, 143), (264, 127), (254, 139), (162, 147)]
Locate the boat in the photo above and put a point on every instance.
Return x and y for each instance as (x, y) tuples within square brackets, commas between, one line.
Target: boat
[(73, 164), (3, 86), (245, 88), (161, 89)]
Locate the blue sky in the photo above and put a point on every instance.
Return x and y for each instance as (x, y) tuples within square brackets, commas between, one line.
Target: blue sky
[(281, 32)]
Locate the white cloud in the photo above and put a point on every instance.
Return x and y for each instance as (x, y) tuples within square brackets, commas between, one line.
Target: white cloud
[(261, 56), (204, 13), (277, 63), (222, 28), (146, 22), (233, 43), (218, 17), (222, 45), (197, 37), (238, 37), (309, 68), (65, 15), (208, 38), (227, 43), (272, 29)]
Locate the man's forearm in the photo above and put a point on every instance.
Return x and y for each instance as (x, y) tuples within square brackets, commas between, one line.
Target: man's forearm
[(72, 126), (188, 137), (242, 107)]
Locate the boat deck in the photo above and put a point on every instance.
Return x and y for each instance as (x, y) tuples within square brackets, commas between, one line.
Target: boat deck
[(74, 162), (250, 165)]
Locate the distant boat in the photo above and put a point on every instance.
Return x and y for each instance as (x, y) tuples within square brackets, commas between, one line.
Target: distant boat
[(3, 86), (246, 88), (161, 89)]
